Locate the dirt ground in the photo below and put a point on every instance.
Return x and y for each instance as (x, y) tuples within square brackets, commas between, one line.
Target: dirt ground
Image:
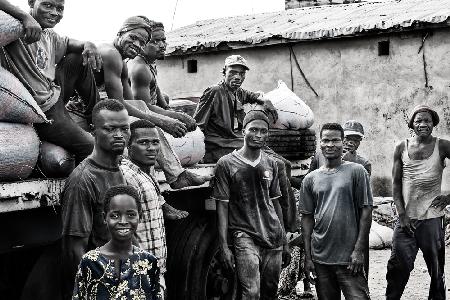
[(417, 287)]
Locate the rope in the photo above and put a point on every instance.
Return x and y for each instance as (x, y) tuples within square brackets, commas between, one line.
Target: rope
[(173, 17), (301, 71)]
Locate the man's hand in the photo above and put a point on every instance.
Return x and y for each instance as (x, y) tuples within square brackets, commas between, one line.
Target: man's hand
[(32, 29), (441, 201), (188, 121), (405, 224), (92, 57), (227, 258), (270, 109), (173, 127), (356, 262), (310, 269), (286, 256)]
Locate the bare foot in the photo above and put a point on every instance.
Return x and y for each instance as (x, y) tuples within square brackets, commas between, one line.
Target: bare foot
[(189, 179), (171, 213)]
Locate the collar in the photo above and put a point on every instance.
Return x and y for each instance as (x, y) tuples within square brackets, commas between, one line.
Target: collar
[(247, 161)]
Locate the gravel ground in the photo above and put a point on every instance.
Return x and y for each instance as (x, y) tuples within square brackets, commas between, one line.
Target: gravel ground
[(417, 287)]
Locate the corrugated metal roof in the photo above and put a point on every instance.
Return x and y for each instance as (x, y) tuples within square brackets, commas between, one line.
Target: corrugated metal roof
[(310, 23)]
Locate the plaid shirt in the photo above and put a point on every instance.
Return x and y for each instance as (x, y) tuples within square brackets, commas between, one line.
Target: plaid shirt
[(151, 232)]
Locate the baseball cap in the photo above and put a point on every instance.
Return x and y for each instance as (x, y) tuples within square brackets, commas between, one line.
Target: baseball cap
[(236, 60), (423, 108), (352, 127)]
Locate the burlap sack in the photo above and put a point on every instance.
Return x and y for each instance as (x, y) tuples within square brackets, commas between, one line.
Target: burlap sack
[(10, 29), (55, 161), (19, 150), (16, 103)]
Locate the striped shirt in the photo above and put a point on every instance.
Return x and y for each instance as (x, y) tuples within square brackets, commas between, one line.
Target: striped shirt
[(151, 232)]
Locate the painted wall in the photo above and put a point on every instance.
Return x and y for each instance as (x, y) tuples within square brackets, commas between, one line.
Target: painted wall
[(352, 81)]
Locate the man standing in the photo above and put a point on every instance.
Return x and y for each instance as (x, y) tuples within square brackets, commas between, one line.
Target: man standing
[(250, 220), (51, 67), (82, 199), (417, 178), (336, 207), (138, 171)]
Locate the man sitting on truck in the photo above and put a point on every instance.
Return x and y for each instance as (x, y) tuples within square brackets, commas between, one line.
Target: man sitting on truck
[(249, 217), (131, 39), (83, 226), (138, 171), (51, 67)]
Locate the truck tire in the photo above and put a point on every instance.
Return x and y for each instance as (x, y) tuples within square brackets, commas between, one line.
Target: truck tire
[(195, 271), (293, 144)]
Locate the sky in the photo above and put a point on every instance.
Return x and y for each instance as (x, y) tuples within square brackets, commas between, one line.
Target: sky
[(99, 20)]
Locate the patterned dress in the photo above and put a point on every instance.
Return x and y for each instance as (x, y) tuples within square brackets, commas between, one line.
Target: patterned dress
[(137, 278)]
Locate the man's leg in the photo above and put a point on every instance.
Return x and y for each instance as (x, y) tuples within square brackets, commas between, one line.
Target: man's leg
[(72, 75), (247, 258), (327, 286), (271, 260), (431, 240), (64, 132), (401, 263), (352, 286)]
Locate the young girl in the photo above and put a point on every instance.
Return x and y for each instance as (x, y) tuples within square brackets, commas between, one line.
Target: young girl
[(119, 270)]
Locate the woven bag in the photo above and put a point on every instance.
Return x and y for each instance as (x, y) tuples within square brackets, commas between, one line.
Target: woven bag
[(10, 29)]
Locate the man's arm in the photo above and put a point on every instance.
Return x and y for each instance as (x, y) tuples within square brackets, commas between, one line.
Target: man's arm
[(89, 52), (307, 224), (357, 257), (141, 79), (73, 248), (397, 190), (286, 251), (441, 201), (222, 227), (32, 28)]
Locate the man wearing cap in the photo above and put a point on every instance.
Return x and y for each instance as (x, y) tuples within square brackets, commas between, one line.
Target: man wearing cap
[(417, 178), (249, 216), (220, 110)]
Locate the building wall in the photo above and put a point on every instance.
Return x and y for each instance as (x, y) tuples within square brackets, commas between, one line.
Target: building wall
[(352, 80)]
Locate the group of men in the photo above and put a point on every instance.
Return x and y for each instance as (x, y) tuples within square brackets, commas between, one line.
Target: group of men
[(251, 185)]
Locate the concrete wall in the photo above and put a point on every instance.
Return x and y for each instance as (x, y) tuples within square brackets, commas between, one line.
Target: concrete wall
[(352, 81)]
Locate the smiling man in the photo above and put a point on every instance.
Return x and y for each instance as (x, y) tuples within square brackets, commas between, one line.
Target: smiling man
[(249, 216), (336, 207), (83, 226), (417, 179), (51, 67)]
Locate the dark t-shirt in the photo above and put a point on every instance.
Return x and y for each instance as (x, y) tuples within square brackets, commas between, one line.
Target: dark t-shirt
[(82, 201), (335, 198), (250, 188)]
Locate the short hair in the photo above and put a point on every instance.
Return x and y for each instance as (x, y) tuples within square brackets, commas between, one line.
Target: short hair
[(139, 124), (332, 126), (106, 104), (121, 190), (156, 26)]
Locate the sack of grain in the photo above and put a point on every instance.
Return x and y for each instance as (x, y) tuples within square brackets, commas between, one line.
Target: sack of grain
[(11, 29), (380, 236), (293, 113), (55, 161), (19, 150), (17, 105), (190, 149)]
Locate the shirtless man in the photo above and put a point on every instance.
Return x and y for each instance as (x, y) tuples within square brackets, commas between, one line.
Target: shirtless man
[(143, 75), (417, 178), (131, 39)]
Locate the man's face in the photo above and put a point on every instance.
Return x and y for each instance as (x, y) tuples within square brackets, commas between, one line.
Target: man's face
[(47, 13), (256, 133), (122, 218), (156, 47), (112, 131), (133, 42), (331, 144), (351, 143), (145, 146), (423, 124), (234, 76)]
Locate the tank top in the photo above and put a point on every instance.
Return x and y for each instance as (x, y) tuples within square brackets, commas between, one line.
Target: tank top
[(422, 180)]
